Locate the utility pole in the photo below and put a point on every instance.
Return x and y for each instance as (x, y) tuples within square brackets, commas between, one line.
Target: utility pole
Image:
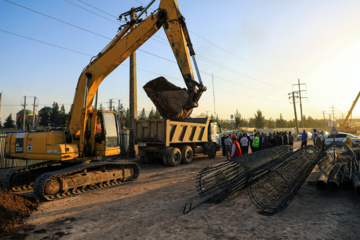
[(324, 117), (331, 124), (33, 120), (119, 115), (24, 114), (333, 116), (293, 97), (110, 104), (133, 85), (214, 95), (299, 85)]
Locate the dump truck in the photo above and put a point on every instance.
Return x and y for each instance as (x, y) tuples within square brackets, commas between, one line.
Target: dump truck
[(176, 141)]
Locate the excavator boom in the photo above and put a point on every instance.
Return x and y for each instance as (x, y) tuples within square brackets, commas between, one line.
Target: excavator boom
[(121, 47)]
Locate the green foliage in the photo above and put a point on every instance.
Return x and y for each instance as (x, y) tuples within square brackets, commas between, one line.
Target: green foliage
[(225, 125), (142, 114), (157, 115), (259, 119), (9, 122), (270, 123), (126, 119), (280, 122), (44, 116), (152, 114)]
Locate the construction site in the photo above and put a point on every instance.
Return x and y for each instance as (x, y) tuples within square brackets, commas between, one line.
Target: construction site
[(176, 176)]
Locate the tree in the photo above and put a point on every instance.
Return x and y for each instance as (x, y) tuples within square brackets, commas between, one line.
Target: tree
[(259, 119), (152, 114), (44, 116), (237, 120), (252, 123), (271, 123), (63, 116), (126, 119), (142, 114), (280, 122), (55, 115), (9, 122), (157, 114)]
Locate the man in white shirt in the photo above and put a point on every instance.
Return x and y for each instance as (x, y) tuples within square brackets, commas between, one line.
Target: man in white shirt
[(244, 144)]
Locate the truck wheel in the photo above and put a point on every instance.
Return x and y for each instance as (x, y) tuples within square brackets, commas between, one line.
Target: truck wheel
[(212, 151), (174, 158), (186, 154)]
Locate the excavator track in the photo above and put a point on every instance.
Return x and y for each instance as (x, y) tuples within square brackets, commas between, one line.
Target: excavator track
[(22, 178), (80, 179)]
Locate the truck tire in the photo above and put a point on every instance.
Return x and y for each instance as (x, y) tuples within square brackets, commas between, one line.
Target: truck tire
[(174, 158), (212, 151), (186, 154)]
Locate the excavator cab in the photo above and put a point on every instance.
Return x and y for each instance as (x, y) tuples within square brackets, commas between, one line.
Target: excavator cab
[(102, 134)]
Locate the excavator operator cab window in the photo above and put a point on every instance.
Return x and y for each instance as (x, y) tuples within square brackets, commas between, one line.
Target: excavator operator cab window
[(110, 130)]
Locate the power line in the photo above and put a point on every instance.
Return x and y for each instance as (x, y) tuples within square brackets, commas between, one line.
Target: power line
[(50, 44), (56, 19), (97, 8), (91, 11)]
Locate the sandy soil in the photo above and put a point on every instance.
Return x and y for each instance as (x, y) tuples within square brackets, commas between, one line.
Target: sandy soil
[(151, 208)]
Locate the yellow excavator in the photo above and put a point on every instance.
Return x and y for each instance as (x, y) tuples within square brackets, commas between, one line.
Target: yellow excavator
[(348, 127), (71, 166)]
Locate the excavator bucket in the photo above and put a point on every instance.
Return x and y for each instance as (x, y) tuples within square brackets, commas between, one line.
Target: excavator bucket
[(168, 99)]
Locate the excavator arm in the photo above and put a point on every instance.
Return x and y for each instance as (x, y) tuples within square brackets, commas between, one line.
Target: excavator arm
[(121, 47), (350, 111)]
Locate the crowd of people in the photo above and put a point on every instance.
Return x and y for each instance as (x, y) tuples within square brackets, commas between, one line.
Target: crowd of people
[(238, 145)]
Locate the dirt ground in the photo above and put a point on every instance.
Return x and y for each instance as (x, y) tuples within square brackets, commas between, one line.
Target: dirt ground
[(151, 208)]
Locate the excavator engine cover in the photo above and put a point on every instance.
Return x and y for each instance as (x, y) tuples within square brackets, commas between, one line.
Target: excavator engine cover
[(168, 99)]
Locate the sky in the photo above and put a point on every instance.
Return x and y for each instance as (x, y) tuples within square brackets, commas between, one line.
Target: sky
[(250, 54)]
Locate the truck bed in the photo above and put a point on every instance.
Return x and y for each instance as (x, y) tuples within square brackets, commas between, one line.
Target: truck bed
[(166, 132)]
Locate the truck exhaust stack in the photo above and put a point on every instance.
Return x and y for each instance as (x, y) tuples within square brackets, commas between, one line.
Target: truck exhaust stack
[(168, 99)]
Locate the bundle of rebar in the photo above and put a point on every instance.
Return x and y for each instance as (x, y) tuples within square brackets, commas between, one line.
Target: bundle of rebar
[(274, 191), (341, 167), (223, 180)]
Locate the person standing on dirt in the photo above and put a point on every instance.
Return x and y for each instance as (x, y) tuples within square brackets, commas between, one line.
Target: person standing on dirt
[(235, 147), (227, 143), (322, 136), (313, 136), (256, 143), (285, 138), (251, 139), (244, 144), (304, 138), (291, 139), (264, 141), (223, 144), (279, 139), (317, 141)]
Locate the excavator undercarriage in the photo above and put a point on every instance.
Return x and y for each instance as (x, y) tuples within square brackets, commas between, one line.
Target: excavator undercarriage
[(52, 180)]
